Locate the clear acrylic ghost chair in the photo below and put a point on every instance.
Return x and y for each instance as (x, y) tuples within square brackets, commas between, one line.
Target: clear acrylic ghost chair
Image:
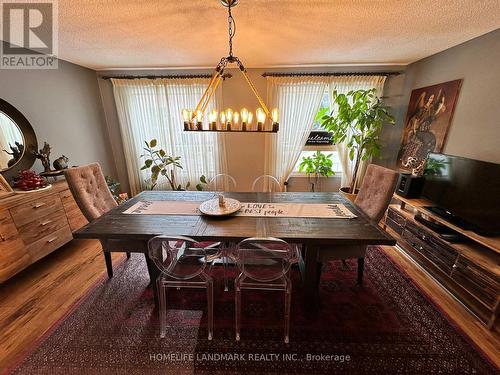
[(266, 184), (182, 265), (264, 264), (222, 182)]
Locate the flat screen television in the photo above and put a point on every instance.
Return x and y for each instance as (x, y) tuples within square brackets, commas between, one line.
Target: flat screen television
[(464, 191)]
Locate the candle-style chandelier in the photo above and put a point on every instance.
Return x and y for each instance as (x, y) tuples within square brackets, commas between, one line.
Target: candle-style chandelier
[(229, 120)]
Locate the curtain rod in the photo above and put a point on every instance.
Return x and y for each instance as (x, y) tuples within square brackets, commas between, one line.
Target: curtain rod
[(328, 74), (182, 76)]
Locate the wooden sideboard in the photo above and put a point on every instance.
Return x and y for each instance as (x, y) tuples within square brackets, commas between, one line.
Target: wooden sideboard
[(470, 269), (32, 225)]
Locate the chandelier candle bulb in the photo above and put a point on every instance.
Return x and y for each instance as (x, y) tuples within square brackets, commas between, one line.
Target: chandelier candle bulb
[(185, 117), (249, 122), (276, 118), (244, 119), (236, 120), (275, 115), (229, 118), (212, 120), (229, 115), (222, 121), (199, 120), (191, 120), (261, 119)]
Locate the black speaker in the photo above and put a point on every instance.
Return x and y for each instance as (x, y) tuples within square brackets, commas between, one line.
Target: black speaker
[(409, 186)]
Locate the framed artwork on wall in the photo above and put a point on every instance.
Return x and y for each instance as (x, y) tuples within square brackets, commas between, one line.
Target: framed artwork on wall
[(427, 122)]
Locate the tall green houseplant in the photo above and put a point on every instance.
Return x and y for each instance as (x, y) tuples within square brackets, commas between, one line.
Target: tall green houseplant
[(356, 119)]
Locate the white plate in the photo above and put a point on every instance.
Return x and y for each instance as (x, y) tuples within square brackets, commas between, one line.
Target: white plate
[(212, 208), (19, 191)]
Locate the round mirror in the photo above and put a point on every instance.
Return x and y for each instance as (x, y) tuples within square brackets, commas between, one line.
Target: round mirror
[(17, 141), (11, 143)]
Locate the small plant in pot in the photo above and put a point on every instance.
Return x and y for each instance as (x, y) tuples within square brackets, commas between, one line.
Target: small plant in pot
[(317, 166), (356, 120)]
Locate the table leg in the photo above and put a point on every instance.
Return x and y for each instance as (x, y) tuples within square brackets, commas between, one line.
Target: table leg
[(310, 277), (154, 273)]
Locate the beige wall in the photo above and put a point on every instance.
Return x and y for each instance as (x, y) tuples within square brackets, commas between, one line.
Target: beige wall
[(64, 108), (245, 151), (475, 128)]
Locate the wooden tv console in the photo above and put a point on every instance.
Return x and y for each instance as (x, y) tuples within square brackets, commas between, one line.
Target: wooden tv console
[(469, 270), (34, 224)]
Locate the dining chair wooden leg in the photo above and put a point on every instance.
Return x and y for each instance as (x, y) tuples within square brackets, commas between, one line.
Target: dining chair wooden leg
[(361, 268), (109, 263), (128, 255)]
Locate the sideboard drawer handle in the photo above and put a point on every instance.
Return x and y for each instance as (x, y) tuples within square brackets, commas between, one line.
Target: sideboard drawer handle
[(38, 205), (46, 223), (52, 240)]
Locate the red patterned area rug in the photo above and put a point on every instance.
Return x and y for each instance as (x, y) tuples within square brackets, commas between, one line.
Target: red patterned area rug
[(385, 327)]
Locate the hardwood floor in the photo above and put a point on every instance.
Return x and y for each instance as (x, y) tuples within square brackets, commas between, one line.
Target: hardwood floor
[(34, 300)]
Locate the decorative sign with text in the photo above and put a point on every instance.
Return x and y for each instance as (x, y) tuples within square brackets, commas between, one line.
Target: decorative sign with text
[(319, 138)]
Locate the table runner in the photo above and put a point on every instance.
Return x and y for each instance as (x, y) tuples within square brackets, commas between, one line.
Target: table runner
[(317, 210)]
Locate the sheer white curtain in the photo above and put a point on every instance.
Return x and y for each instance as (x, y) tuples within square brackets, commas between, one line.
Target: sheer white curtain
[(151, 109), (298, 99), (344, 84)]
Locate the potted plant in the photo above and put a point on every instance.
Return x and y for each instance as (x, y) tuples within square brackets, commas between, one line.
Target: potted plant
[(162, 164), (319, 165), (356, 120)]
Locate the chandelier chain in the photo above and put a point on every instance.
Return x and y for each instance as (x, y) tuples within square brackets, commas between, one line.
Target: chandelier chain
[(193, 120), (232, 29)]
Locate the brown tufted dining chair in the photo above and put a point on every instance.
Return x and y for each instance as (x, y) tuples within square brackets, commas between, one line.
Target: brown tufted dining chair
[(373, 199), (92, 195)]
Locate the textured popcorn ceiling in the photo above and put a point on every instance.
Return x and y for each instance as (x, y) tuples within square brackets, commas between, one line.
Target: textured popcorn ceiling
[(193, 33)]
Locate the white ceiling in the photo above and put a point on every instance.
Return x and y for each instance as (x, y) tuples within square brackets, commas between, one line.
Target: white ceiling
[(193, 33)]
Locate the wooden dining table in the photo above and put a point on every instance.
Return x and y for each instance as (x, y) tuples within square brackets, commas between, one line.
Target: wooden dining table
[(131, 232)]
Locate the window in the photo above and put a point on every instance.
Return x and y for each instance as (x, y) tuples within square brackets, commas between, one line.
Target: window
[(310, 150), (337, 168), (325, 103)]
